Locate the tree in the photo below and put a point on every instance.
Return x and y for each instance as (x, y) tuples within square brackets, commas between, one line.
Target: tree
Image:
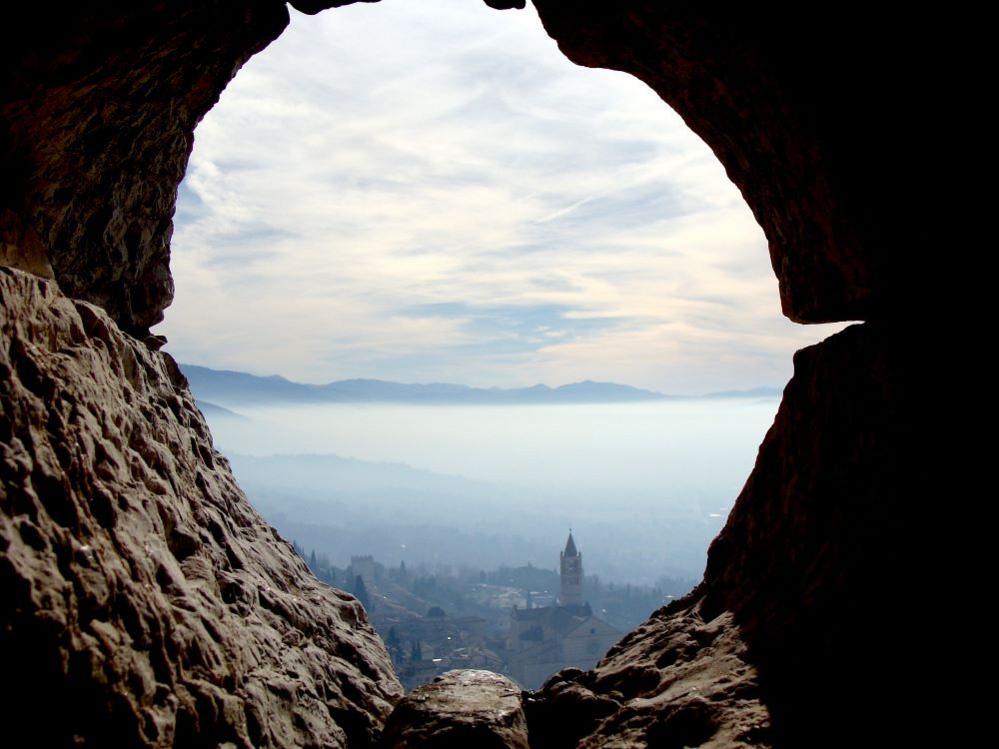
[(416, 651), (312, 561), (361, 592), (394, 645)]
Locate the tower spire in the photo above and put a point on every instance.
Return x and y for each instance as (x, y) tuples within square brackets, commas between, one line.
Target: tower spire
[(570, 546), (572, 574)]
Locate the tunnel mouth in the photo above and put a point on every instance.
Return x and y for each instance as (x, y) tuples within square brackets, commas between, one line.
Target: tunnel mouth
[(644, 195)]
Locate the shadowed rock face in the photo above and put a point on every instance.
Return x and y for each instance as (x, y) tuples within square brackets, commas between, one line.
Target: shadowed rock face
[(796, 637), (807, 110), (145, 601), (98, 104), (153, 605)]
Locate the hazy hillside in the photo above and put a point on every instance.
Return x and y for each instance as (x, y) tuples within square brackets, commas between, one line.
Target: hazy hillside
[(239, 388), (341, 507), (236, 388), (449, 474)]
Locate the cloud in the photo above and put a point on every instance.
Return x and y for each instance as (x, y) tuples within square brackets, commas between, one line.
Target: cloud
[(428, 190), (491, 329)]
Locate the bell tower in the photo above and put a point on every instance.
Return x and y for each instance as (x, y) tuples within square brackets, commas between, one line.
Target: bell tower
[(572, 574)]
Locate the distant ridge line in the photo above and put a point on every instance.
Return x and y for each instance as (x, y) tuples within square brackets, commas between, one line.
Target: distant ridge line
[(230, 387)]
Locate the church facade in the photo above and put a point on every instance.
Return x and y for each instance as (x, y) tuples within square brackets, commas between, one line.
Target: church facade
[(543, 640)]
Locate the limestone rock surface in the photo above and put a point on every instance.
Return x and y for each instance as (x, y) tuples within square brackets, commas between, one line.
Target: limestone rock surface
[(462, 709), (676, 681), (145, 602)]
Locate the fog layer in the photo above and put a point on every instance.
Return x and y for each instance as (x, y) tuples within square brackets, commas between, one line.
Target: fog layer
[(644, 486)]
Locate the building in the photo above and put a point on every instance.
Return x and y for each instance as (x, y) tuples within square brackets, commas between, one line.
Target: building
[(546, 639), (571, 571), (364, 568)]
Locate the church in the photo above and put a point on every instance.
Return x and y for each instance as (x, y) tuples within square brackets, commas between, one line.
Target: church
[(545, 639)]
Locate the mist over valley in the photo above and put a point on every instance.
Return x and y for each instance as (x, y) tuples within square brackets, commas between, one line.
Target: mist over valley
[(459, 481)]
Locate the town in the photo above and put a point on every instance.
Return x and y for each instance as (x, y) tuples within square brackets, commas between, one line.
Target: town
[(524, 622)]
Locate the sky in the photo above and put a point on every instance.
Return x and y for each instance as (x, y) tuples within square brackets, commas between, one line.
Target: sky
[(427, 190)]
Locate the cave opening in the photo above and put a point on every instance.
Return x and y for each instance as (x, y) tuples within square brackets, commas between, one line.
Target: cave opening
[(432, 193), (147, 599)]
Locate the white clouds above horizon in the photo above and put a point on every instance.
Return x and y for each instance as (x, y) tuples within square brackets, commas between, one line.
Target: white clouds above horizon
[(419, 190)]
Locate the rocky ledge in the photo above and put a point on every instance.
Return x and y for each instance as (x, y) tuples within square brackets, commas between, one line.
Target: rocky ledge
[(682, 679), (679, 680), (459, 710), (146, 602)]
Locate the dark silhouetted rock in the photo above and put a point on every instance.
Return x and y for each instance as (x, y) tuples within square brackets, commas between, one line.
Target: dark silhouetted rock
[(811, 119), (98, 105), (824, 553), (793, 638)]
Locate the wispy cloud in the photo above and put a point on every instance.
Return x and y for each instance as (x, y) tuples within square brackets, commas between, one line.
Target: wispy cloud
[(428, 190)]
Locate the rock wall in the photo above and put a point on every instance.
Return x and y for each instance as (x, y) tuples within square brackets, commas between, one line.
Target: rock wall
[(98, 105), (799, 635), (682, 679), (145, 602), (822, 557)]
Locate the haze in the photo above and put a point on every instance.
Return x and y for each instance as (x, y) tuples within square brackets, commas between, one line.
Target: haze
[(645, 486)]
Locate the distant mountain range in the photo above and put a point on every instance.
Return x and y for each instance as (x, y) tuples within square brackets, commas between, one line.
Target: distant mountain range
[(214, 386)]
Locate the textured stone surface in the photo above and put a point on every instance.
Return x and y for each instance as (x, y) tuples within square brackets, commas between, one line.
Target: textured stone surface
[(459, 710), (145, 602), (676, 681), (98, 104)]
